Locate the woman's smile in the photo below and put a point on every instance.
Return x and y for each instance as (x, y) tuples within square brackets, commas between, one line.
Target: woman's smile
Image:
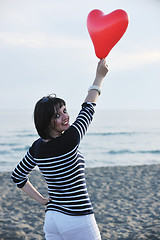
[(60, 123)]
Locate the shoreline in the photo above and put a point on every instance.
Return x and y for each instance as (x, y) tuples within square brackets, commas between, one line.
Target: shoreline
[(126, 201)]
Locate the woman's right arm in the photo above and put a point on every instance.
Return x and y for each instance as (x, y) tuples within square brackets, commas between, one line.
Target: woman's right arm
[(19, 176)]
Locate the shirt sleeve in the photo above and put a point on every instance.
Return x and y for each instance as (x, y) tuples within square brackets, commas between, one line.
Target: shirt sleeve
[(84, 119), (19, 174)]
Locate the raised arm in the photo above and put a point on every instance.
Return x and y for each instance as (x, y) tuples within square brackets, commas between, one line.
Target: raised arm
[(95, 90)]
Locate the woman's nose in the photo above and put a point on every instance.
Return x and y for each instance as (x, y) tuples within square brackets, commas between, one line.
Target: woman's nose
[(65, 115)]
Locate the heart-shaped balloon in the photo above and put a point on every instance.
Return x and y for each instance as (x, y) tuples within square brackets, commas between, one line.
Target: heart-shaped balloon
[(106, 30)]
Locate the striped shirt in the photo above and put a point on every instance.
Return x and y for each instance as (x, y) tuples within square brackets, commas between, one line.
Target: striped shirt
[(63, 167)]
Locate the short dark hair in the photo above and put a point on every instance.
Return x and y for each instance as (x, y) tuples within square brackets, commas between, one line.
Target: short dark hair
[(45, 109)]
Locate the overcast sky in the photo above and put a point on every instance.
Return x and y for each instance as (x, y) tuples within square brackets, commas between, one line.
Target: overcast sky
[(45, 47)]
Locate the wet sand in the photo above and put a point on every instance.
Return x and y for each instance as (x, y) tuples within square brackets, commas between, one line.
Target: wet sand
[(126, 202)]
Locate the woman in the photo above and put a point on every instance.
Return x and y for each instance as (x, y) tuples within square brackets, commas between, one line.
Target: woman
[(69, 212)]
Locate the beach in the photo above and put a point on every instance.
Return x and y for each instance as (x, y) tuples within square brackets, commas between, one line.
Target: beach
[(126, 202)]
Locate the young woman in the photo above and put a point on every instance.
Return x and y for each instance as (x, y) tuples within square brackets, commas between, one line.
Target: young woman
[(69, 212)]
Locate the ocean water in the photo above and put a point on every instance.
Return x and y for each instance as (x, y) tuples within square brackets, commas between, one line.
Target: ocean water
[(115, 137)]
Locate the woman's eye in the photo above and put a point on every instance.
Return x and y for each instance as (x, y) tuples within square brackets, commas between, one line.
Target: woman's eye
[(65, 110), (57, 115)]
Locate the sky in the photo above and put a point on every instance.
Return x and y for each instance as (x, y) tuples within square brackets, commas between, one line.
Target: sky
[(45, 48)]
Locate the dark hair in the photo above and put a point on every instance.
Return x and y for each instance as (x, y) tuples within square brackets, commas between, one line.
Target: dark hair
[(45, 109)]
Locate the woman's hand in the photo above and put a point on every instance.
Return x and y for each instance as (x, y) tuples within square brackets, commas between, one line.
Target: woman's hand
[(102, 69), (44, 201)]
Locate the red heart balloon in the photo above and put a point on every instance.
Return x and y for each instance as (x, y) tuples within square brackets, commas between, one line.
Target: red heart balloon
[(106, 30)]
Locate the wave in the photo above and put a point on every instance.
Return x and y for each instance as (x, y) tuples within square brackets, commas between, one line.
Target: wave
[(151, 151), (9, 144), (124, 151), (25, 148), (26, 135), (113, 133), (4, 152), (14, 149)]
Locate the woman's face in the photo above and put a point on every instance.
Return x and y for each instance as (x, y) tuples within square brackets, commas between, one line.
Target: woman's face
[(60, 123)]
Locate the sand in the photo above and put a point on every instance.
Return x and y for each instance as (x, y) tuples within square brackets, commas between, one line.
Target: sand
[(126, 202)]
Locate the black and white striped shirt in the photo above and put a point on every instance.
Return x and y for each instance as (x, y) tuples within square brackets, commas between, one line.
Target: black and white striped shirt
[(62, 166)]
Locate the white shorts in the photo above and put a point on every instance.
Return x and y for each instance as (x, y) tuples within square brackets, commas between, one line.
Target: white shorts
[(59, 226)]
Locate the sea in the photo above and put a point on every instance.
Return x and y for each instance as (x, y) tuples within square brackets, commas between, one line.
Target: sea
[(115, 137)]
